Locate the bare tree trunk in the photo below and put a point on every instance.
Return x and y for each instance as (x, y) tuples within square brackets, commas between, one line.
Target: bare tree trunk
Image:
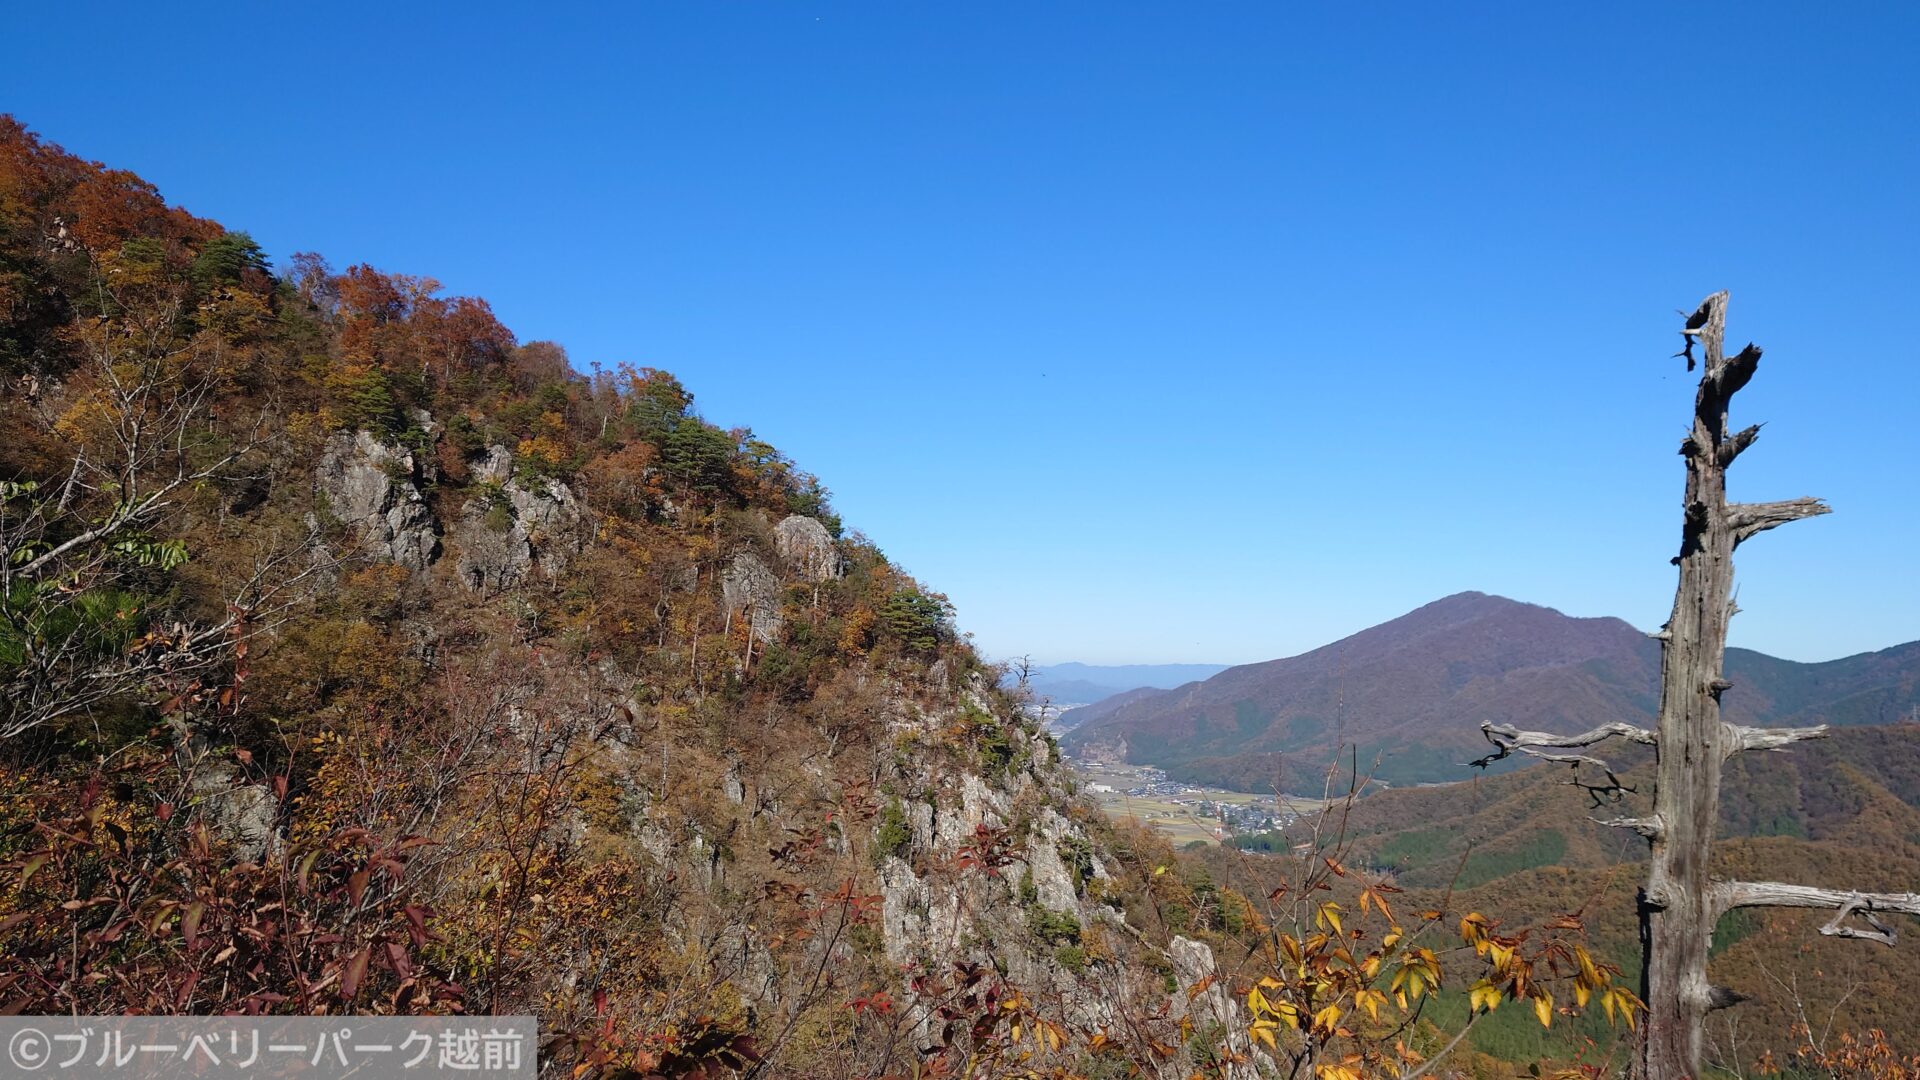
[(1680, 903), (1676, 916)]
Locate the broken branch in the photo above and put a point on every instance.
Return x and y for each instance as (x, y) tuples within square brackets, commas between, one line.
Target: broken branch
[(1748, 738), (1747, 519), (1739, 894), (1508, 740)]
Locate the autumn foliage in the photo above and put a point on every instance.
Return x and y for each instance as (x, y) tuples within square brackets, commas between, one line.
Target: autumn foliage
[(246, 766)]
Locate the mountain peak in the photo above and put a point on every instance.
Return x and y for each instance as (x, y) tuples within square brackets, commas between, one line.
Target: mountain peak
[(1414, 690)]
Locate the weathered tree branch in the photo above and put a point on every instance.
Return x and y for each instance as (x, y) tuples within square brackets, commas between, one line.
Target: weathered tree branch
[(1747, 738), (1737, 372), (1749, 519), (1738, 894), (1508, 740), (1650, 827), (1732, 446)]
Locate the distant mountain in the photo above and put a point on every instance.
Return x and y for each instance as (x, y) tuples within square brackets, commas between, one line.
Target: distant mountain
[(1413, 692), (1073, 718), (1081, 684)]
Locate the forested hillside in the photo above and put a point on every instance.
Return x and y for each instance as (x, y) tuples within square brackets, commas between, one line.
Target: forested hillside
[(1526, 845), (360, 657)]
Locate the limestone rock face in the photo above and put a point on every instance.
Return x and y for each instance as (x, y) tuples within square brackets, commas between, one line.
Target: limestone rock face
[(939, 908), (748, 585), (807, 548), (372, 488), (990, 872), (496, 467), (1210, 1008), (242, 814), (1047, 853), (504, 535), (906, 914)]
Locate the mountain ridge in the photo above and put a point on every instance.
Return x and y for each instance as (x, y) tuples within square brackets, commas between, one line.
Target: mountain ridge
[(1413, 691), (1075, 683)]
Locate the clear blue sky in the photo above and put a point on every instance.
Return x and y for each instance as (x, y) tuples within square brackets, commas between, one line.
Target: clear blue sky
[(1147, 332)]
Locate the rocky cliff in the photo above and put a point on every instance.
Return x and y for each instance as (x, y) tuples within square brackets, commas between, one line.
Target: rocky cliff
[(360, 657)]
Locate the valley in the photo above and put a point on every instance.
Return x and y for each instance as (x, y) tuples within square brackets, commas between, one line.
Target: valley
[(1185, 812)]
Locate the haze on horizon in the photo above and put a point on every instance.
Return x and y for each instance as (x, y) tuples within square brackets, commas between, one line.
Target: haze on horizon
[(1170, 336)]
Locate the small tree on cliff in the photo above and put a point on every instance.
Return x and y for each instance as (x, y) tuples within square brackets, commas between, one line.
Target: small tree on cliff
[(1681, 902)]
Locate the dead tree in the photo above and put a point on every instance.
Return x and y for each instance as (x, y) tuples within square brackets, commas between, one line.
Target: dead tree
[(1681, 902)]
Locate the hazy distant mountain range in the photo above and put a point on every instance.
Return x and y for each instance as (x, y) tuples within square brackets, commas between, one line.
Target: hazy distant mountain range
[(1413, 692), (1082, 684)]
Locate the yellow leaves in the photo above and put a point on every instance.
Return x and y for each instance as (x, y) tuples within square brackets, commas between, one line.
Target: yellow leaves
[(1263, 1030), (1483, 995), (1419, 971), (1374, 896), (1327, 915), (236, 315), (1543, 1008), (1044, 1033), (1327, 1019), (1342, 1071), (88, 419), (1630, 1006), (1474, 929), (856, 633), (1270, 1010), (1370, 1000), (1588, 971), (1624, 1002)]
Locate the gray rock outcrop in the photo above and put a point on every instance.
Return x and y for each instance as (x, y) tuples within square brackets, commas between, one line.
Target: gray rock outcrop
[(1211, 1009), (749, 587), (242, 814), (372, 489), (514, 528), (807, 548)]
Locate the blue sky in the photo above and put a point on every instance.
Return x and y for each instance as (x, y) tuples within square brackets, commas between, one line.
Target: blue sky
[(1147, 332)]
